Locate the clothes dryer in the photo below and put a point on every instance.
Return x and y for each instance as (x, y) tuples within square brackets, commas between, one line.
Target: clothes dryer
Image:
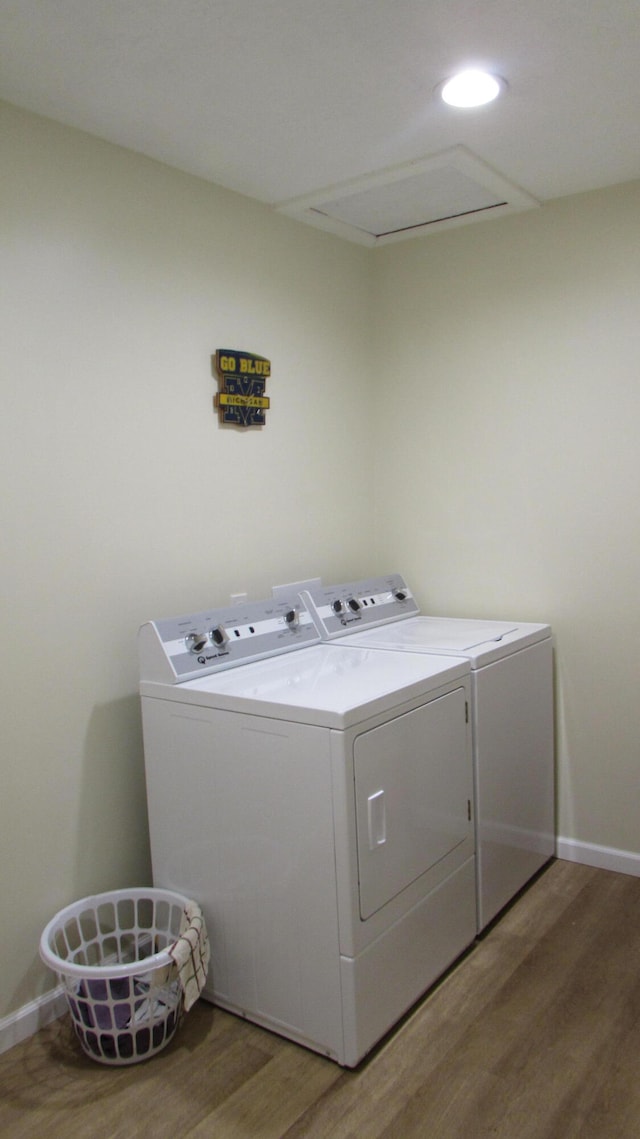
[(512, 713), (318, 805)]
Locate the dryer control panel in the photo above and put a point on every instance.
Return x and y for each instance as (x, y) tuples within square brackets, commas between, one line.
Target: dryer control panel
[(355, 605), (174, 649)]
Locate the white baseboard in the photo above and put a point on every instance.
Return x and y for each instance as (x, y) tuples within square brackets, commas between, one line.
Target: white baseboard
[(20, 1025), (603, 857)]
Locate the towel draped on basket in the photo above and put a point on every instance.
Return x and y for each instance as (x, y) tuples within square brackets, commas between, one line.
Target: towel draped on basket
[(190, 952)]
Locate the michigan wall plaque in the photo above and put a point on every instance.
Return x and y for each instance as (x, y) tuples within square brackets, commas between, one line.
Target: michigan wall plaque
[(242, 379)]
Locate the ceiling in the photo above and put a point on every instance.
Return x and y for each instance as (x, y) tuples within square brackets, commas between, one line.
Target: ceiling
[(297, 102)]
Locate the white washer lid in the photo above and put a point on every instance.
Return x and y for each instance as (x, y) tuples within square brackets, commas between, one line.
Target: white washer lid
[(325, 685), (481, 642)]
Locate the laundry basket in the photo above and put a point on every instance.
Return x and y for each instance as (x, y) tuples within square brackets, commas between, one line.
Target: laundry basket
[(110, 952)]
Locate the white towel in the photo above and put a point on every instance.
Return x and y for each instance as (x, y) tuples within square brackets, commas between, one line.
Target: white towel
[(190, 952)]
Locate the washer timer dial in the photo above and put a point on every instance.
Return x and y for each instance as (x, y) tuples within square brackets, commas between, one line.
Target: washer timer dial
[(292, 618)]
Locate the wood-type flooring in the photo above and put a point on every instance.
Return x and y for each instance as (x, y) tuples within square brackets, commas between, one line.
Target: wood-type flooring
[(534, 1034)]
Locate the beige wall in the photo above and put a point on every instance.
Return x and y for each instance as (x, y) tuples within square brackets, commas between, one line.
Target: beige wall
[(508, 460), (463, 408), (123, 497)]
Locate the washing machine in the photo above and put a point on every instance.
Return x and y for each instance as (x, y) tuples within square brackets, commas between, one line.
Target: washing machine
[(318, 804), (512, 715)]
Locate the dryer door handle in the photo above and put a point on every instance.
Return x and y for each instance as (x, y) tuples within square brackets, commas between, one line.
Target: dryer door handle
[(377, 820)]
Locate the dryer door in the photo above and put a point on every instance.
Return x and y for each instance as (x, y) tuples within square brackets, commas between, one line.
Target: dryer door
[(413, 789)]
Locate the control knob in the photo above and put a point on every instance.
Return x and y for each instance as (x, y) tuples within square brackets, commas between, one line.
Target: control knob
[(399, 595), (292, 618), (195, 642), (354, 604), (337, 607), (219, 635)]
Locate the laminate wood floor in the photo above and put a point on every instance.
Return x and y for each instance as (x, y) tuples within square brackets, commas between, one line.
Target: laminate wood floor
[(535, 1034)]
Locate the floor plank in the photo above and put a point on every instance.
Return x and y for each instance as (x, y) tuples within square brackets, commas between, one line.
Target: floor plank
[(535, 1034)]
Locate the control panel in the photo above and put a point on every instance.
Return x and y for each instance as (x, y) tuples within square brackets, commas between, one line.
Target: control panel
[(181, 648), (341, 609)]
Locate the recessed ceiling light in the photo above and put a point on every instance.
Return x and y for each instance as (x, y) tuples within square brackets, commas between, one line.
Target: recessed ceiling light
[(471, 89)]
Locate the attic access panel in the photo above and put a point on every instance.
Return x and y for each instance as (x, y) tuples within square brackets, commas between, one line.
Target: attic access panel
[(447, 189)]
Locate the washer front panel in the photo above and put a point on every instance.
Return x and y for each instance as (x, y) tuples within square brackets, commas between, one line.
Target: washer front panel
[(356, 605)]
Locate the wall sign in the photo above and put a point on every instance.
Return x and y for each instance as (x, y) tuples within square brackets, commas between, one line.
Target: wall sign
[(242, 379)]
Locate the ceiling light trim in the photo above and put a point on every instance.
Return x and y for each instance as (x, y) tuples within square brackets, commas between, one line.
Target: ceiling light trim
[(509, 198)]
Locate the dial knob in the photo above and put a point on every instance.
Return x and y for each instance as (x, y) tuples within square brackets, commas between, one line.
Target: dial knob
[(354, 604), (219, 635), (292, 618), (195, 642), (337, 607), (399, 595)]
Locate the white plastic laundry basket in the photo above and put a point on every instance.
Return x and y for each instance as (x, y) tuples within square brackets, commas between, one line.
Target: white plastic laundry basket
[(110, 952)]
